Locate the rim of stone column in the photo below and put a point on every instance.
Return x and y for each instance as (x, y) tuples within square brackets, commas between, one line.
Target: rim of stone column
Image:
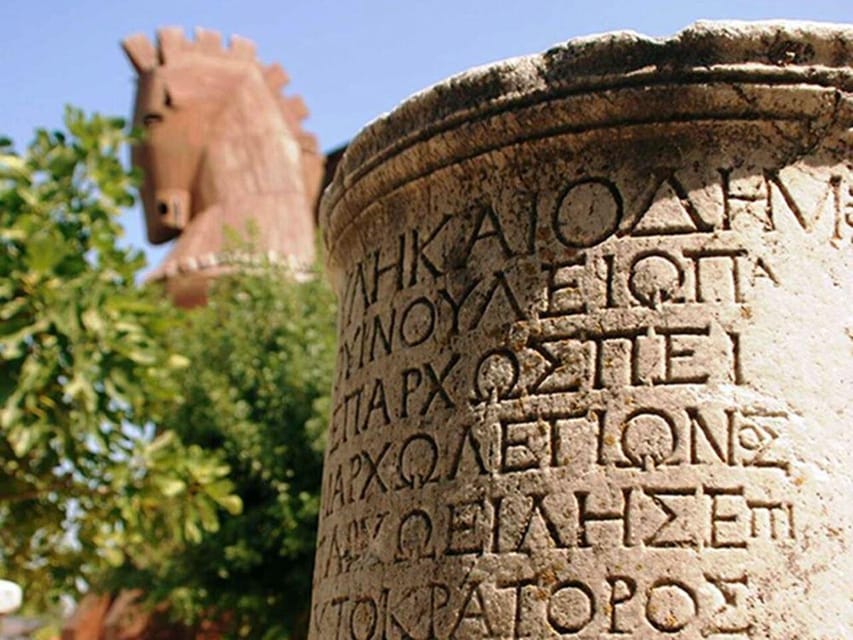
[(412, 140)]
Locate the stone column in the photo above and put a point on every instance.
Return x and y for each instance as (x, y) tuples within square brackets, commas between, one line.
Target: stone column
[(595, 347)]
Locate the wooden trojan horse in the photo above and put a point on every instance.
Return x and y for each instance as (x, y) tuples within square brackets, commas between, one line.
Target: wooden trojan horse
[(223, 149)]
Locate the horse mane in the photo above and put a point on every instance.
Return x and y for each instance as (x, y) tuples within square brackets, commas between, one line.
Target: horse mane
[(173, 47)]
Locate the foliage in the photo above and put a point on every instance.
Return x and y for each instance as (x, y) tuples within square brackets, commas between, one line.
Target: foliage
[(261, 355), (142, 445), (86, 371)]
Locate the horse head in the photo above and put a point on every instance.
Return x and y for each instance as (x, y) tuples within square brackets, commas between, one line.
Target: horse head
[(221, 146)]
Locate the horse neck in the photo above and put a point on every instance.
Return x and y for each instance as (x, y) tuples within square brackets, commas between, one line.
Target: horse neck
[(252, 171), (250, 149)]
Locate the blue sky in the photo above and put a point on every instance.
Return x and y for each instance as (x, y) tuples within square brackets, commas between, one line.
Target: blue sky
[(350, 60)]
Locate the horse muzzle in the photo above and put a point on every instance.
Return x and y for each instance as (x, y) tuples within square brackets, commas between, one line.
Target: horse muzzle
[(172, 207)]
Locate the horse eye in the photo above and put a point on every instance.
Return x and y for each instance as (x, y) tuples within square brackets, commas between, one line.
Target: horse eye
[(151, 119)]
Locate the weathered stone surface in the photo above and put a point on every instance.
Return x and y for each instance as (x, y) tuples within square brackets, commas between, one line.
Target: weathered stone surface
[(222, 149), (595, 347)]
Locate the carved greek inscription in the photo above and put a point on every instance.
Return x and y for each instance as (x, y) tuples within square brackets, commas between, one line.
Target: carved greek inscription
[(576, 360), (416, 390), (649, 438), (664, 517), (388, 467), (711, 605), (770, 200), (654, 279), (643, 438), (485, 301), (348, 543), (415, 537), (669, 209), (571, 378), (589, 211), (425, 253)]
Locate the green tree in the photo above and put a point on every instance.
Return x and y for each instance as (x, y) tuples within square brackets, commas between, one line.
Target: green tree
[(86, 481), (261, 356)]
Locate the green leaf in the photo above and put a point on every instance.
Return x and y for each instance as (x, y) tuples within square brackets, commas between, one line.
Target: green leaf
[(21, 439), (13, 234), (112, 555), (170, 487), (12, 307), (178, 361), (93, 321), (81, 388), (232, 504), (164, 444), (44, 251), (219, 489), (13, 344), (141, 356), (10, 414), (207, 514), (192, 532), (13, 163)]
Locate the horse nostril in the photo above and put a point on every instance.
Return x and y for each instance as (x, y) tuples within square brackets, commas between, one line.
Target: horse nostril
[(162, 208)]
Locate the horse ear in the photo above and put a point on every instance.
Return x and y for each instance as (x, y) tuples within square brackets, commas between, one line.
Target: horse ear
[(208, 41), (242, 48), (140, 52), (276, 77), (296, 106), (172, 43)]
